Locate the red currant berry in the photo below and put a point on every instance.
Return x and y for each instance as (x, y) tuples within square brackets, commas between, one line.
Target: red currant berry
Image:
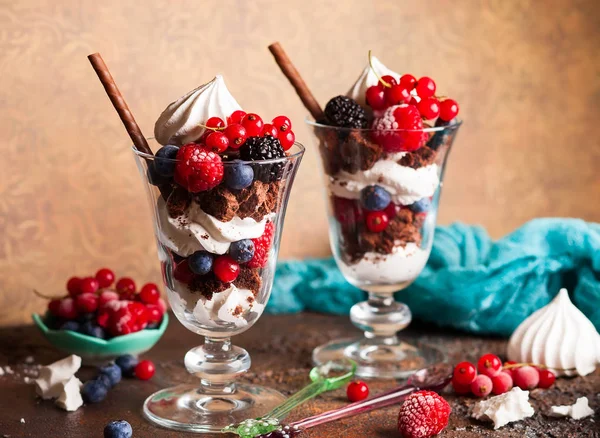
[(392, 210), (502, 383), (144, 370), (89, 285), (464, 373), (481, 386), (526, 377), (149, 293), (215, 123), (461, 389), (226, 269), (67, 309), (183, 273), (346, 211), (448, 110), (105, 277), (153, 312), (425, 87), (377, 221), (162, 305), (282, 123), (287, 139), (253, 124), (375, 97), (413, 101), (53, 307), (547, 379), (388, 79), (270, 129), (397, 95), (236, 117), (126, 288), (217, 142), (237, 135), (86, 302), (429, 108), (489, 364), (106, 297), (74, 286), (357, 391), (408, 81)]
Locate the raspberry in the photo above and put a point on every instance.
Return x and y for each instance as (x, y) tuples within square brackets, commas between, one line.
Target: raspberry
[(86, 302), (423, 414), (261, 247), (502, 383), (405, 118), (526, 377), (481, 386), (490, 365), (197, 169)]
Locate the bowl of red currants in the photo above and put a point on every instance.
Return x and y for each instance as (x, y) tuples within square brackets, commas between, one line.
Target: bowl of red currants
[(100, 319)]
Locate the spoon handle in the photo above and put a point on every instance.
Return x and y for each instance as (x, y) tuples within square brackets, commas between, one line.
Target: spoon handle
[(298, 398), (377, 402)]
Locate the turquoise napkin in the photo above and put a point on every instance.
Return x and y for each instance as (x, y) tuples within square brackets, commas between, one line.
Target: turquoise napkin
[(471, 282)]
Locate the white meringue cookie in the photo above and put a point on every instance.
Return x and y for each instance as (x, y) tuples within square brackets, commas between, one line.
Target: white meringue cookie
[(559, 336), (181, 121)]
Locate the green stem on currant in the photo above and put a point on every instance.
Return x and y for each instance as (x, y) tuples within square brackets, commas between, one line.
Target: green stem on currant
[(384, 83)]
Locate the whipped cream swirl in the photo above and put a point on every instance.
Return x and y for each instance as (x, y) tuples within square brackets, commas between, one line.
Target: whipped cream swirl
[(559, 336), (181, 121), (196, 230), (367, 79)]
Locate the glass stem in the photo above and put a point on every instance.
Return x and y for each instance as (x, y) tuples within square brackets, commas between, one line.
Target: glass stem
[(380, 401), (217, 363), (381, 317)]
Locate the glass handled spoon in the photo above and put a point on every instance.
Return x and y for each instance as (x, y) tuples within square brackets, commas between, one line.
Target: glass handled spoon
[(322, 381), (434, 378)]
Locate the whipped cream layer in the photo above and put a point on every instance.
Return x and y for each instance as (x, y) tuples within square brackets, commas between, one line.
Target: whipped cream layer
[(368, 78), (559, 336), (404, 264), (196, 230), (181, 121), (405, 184)]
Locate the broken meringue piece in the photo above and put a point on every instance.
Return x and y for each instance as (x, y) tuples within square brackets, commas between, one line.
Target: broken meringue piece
[(70, 396), (577, 411), (505, 408), (49, 384)]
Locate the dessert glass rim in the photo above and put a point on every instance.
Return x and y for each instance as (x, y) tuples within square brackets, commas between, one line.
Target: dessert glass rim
[(309, 121), (299, 152)]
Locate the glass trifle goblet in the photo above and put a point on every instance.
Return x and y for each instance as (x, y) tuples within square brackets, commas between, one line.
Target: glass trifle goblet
[(198, 232), (383, 189)]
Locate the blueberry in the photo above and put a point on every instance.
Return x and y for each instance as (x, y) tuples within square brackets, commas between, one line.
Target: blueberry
[(127, 363), (104, 379), (113, 372), (238, 176), (90, 328), (70, 325), (118, 429), (242, 251), (94, 391), (153, 325), (85, 317), (155, 178), (164, 163), (375, 198), (421, 206), (201, 262)]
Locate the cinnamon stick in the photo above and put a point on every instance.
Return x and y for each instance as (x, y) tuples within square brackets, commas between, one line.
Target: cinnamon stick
[(290, 72), (119, 103)]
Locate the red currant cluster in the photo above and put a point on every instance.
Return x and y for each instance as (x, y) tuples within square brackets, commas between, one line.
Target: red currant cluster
[(200, 167), (404, 106), (93, 308), (421, 94), (498, 379)]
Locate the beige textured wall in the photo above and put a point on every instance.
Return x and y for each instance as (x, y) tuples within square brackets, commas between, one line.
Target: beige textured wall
[(527, 78)]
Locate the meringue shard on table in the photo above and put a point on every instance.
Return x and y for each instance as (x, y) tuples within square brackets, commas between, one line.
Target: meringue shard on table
[(558, 336)]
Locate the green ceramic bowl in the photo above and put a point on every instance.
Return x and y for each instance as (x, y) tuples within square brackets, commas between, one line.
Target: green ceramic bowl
[(95, 349)]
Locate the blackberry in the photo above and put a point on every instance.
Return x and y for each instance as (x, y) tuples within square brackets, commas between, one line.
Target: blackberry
[(264, 148), (346, 113), (441, 137)]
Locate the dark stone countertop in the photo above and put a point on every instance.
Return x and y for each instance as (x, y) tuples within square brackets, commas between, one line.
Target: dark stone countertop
[(280, 347)]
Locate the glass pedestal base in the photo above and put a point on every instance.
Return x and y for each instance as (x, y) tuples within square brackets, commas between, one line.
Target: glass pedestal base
[(186, 408), (386, 358)]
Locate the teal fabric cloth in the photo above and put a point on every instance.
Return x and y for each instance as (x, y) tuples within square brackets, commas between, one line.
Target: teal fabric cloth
[(471, 282)]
